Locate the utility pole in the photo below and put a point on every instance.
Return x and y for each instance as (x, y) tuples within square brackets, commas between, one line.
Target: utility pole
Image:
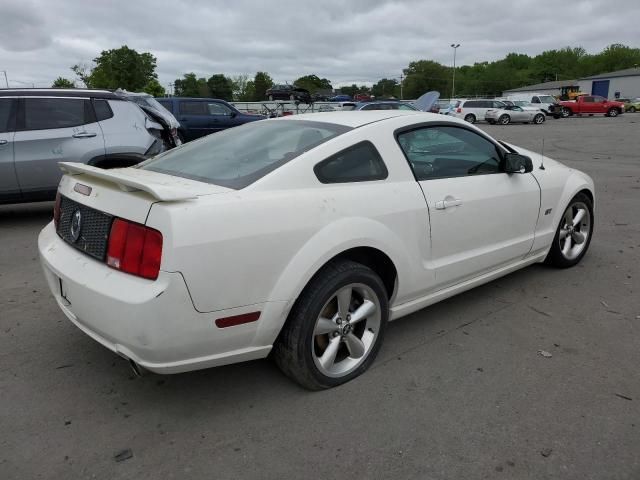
[(401, 86), (6, 80), (453, 82)]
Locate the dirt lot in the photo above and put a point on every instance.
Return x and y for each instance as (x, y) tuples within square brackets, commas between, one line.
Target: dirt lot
[(458, 392)]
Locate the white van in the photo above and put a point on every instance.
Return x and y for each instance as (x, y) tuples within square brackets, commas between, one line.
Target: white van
[(545, 102)]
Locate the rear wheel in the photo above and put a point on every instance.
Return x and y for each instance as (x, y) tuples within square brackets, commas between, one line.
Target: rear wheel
[(573, 236), (504, 119), (539, 118), (335, 328), (471, 118)]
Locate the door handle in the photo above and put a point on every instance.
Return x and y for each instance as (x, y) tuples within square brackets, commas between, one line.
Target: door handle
[(84, 135), (4, 142), (449, 202)]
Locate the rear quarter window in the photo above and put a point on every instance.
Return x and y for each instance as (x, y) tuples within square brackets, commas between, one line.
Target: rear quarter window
[(193, 108), (102, 109), (6, 115), (359, 163)]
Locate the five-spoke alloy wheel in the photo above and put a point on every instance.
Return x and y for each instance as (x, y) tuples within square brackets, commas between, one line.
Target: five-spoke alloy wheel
[(335, 328), (573, 234)]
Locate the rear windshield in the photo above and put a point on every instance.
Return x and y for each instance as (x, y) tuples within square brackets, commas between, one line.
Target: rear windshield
[(239, 156), (546, 99)]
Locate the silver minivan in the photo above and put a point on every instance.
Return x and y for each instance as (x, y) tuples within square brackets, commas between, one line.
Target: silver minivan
[(39, 128), (474, 110)]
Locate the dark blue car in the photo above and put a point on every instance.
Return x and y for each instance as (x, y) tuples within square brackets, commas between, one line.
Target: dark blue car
[(201, 116)]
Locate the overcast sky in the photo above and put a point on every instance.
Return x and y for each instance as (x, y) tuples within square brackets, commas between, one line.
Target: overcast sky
[(346, 41)]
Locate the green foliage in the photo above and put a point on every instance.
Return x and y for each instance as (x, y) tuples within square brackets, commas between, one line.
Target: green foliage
[(154, 88), (355, 89), (119, 68), (261, 83), (423, 76), (313, 83), (386, 88), (61, 82), (220, 87), (243, 89)]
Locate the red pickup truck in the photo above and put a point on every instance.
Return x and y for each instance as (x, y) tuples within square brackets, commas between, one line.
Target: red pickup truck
[(590, 105)]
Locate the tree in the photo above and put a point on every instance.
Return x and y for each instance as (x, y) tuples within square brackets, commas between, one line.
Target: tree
[(61, 82), (423, 76), (154, 88), (220, 87), (313, 83), (119, 68), (243, 89), (261, 83), (386, 88), (189, 86)]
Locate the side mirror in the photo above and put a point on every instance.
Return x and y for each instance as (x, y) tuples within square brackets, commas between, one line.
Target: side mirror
[(233, 114), (516, 163)]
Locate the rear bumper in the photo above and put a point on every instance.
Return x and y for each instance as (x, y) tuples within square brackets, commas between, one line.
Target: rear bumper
[(153, 323)]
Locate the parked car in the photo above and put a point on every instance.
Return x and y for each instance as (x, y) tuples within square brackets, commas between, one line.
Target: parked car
[(547, 103), (289, 92), (41, 127), (514, 113), (473, 110), (194, 268), (152, 107), (341, 98), (388, 105), (590, 105), (362, 97), (630, 105), (201, 116)]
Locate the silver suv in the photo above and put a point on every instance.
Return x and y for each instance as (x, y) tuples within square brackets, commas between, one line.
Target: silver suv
[(39, 128)]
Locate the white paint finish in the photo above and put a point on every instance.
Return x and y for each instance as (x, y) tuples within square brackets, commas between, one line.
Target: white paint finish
[(125, 132), (255, 249)]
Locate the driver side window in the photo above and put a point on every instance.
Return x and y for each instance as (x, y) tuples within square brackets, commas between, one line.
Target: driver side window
[(445, 152)]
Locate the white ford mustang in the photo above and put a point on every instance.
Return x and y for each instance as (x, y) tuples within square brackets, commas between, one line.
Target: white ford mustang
[(301, 236)]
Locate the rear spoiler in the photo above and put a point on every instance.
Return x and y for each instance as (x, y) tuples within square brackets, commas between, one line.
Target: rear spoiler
[(127, 180)]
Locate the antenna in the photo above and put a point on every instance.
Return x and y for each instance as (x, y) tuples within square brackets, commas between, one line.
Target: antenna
[(542, 156)]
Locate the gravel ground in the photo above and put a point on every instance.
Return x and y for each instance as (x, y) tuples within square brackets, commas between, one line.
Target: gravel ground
[(458, 391)]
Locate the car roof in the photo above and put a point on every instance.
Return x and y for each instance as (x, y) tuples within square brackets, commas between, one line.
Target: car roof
[(358, 118), (58, 92)]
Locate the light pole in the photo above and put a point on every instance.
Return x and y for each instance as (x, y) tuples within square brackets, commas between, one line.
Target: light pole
[(453, 82), (6, 80)]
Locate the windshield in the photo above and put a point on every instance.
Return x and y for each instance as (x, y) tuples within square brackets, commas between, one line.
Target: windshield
[(546, 99), (239, 156)]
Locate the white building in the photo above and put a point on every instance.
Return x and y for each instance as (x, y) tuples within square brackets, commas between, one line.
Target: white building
[(547, 88), (620, 84)]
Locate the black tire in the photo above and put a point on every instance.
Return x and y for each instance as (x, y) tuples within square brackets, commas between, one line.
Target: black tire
[(566, 112), (613, 112), (555, 256), (293, 350), (504, 119), (632, 109), (538, 119), (470, 117)]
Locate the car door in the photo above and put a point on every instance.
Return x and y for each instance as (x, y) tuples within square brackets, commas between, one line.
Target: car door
[(519, 115), (9, 188), (194, 117), (598, 105), (588, 105), (221, 116), (481, 218), (52, 130)]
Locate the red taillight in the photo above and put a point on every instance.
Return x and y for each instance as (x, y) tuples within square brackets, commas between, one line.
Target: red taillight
[(459, 110), (135, 249), (56, 211)]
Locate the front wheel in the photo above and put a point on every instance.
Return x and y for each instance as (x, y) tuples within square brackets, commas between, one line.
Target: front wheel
[(335, 328), (538, 119), (573, 235), (613, 112), (632, 109), (566, 113)]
